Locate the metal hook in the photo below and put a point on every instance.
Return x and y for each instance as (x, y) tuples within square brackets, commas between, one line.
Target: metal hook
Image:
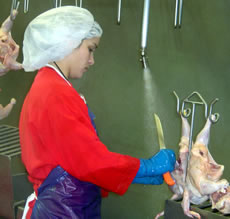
[(14, 6), (76, 2), (179, 3), (202, 102), (177, 102), (58, 3), (26, 6), (185, 112), (215, 116), (119, 13)]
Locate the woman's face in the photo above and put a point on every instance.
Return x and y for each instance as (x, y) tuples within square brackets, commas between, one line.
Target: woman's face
[(82, 58)]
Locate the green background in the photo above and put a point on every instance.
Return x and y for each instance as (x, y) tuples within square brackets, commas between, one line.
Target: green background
[(192, 58)]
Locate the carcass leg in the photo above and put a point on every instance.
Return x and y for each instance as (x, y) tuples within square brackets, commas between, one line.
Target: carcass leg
[(4, 111), (174, 197), (186, 206)]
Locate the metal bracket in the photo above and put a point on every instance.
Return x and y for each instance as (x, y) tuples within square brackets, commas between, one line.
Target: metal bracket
[(187, 112)]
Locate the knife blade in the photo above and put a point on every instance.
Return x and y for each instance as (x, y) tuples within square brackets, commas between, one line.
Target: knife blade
[(167, 176)]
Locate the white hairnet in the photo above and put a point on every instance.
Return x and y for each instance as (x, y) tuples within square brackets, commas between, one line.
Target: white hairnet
[(55, 34)]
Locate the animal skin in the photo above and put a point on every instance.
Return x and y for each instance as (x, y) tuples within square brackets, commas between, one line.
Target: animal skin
[(203, 176), (180, 168), (9, 50), (221, 200), (203, 173), (4, 111)]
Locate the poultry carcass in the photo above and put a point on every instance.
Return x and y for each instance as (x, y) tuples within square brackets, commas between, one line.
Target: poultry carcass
[(4, 111), (221, 200), (9, 50), (203, 173), (179, 172)]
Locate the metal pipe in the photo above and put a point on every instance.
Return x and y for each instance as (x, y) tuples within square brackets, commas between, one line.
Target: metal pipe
[(176, 13), (80, 5), (144, 34), (58, 3), (145, 23), (180, 12), (119, 13), (26, 6), (13, 4)]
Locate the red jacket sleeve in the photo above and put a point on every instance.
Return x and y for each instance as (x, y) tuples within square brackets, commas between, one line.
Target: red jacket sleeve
[(76, 147)]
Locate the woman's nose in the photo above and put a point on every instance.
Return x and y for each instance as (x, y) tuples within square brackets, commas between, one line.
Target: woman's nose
[(91, 59)]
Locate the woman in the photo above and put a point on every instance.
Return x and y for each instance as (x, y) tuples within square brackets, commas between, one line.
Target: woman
[(69, 167)]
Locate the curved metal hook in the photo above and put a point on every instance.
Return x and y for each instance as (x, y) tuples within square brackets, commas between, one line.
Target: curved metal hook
[(213, 117), (184, 112), (177, 102)]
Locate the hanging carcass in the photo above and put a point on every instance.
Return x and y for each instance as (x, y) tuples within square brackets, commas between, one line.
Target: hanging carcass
[(9, 50), (179, 172), (198, 177), (203, 173)]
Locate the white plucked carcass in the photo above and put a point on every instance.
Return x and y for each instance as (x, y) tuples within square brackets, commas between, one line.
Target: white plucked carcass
[(4, 111), (9, 50), (221, 200), (203, 173), (197, 179), (179, 172)]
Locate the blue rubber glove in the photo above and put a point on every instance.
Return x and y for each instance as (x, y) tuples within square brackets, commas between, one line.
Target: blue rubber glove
[(158, 164), (155, 180)]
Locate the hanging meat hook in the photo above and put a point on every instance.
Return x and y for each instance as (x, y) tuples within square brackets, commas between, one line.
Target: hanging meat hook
[(179, 5), (119, 13), (58, 3), (14, 6), (80, 5), (26, 6)]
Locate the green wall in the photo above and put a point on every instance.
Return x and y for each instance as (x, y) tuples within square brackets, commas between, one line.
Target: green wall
[(193, 58)]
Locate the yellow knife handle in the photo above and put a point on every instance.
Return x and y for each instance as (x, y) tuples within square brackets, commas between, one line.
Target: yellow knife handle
[(168, 179)]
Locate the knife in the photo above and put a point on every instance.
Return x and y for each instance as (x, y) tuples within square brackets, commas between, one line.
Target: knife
[(167, 176)]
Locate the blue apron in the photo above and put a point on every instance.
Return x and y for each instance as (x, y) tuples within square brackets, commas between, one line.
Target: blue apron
[(63, 196)]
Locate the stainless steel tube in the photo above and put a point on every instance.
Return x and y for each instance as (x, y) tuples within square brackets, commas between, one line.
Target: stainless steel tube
[(176, 13), (144, 34), (119, 12), (26, 6), (180, 12), (145, 23)]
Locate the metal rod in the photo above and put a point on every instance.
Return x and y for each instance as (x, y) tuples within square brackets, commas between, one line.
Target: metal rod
[(13, 5), (80, 4), (144, 34), (191, 128), (119, 13), (176, 13), (145, 23), (58, 3), (26, 6), (180, 12)]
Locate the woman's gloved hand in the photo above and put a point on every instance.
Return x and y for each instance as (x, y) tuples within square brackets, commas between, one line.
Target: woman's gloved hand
[(158, 164), (155, 180)]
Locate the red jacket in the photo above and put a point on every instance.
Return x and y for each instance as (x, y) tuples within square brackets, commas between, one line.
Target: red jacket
[(55, 129)]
